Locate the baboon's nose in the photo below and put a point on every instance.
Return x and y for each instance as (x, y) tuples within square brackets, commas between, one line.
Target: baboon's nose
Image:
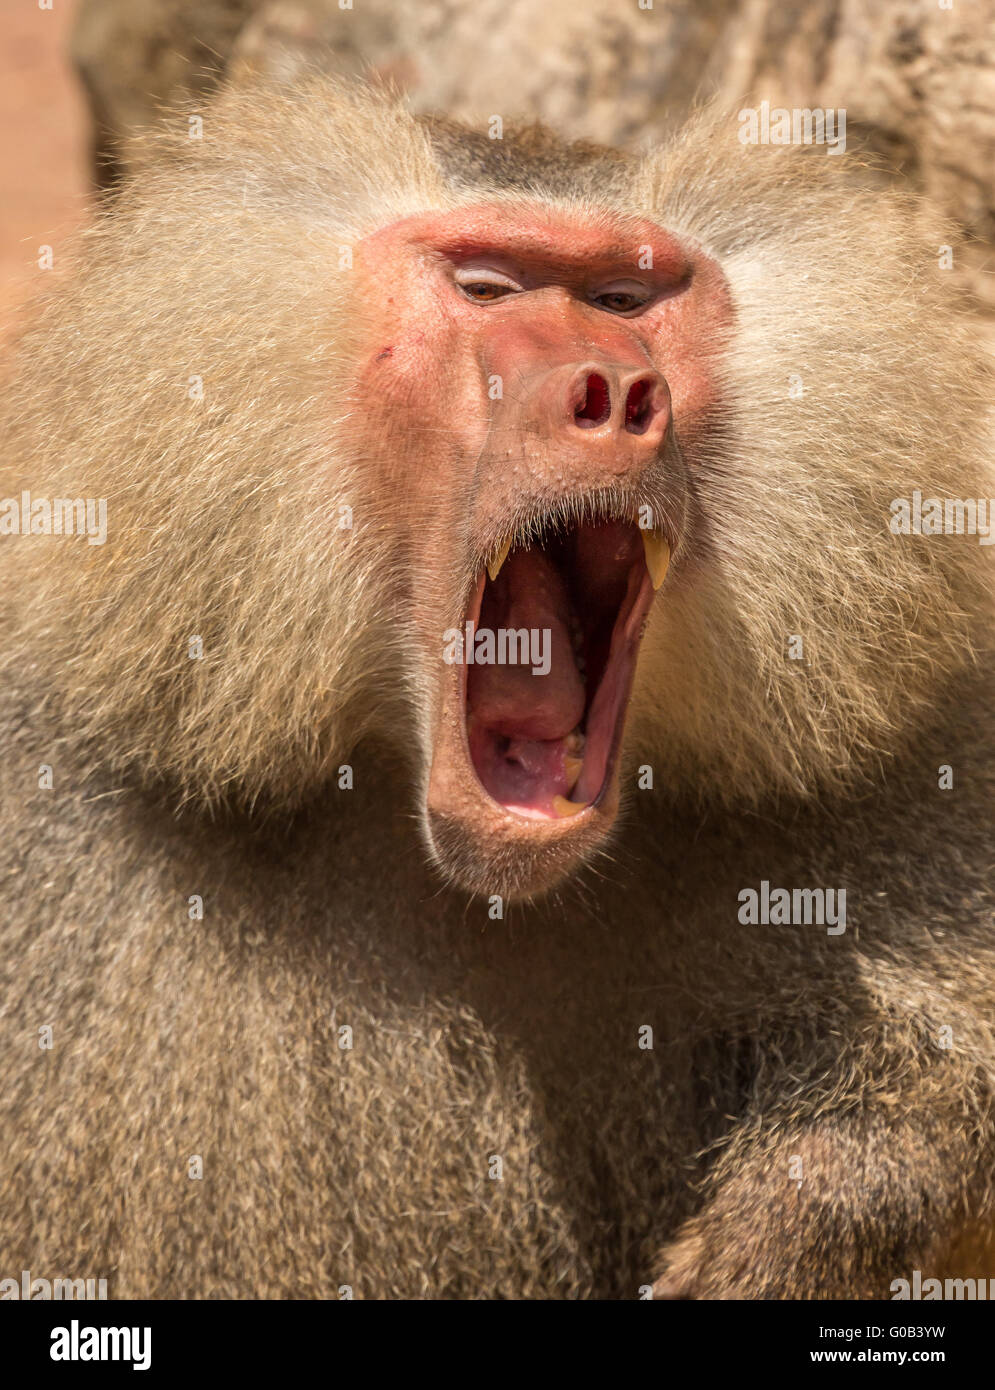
[(616, 403)]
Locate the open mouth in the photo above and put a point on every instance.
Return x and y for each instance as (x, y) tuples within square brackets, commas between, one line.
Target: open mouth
[(552, 635)]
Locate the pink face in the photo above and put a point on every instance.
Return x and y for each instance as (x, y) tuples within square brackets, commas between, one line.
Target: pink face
[(534, 385)]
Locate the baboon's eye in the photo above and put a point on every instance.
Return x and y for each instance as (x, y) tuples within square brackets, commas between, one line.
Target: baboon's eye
[(484, 286), (482, 291), (621, 298)]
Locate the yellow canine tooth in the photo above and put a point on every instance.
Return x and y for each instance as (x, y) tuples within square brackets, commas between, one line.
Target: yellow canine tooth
[(564, 808), (572, 767), (657, 556), (497, 560)]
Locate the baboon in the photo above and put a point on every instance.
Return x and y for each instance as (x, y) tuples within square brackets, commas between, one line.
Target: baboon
[(336, 962)]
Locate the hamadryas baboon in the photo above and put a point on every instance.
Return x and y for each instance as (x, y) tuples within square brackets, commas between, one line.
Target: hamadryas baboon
[(342, 951)]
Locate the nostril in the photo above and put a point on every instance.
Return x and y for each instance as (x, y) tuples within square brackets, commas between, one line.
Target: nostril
[(639, 407), (596, 406)]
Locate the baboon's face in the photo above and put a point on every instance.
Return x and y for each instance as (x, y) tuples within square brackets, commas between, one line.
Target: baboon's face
[(529, 383)]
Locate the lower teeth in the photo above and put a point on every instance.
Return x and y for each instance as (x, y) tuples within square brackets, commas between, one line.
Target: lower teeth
[(573, 757)]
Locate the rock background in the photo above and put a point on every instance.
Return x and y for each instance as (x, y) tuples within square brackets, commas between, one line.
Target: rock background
[(44, 176)]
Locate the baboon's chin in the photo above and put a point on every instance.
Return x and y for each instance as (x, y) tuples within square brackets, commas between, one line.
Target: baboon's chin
[(524, 782)]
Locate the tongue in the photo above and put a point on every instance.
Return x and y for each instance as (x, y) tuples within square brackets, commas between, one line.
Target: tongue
[(509, 700), (519, 724)]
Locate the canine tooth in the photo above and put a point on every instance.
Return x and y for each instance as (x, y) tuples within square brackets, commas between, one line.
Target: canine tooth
[(497, 560), (564, 808), (657, 556)]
